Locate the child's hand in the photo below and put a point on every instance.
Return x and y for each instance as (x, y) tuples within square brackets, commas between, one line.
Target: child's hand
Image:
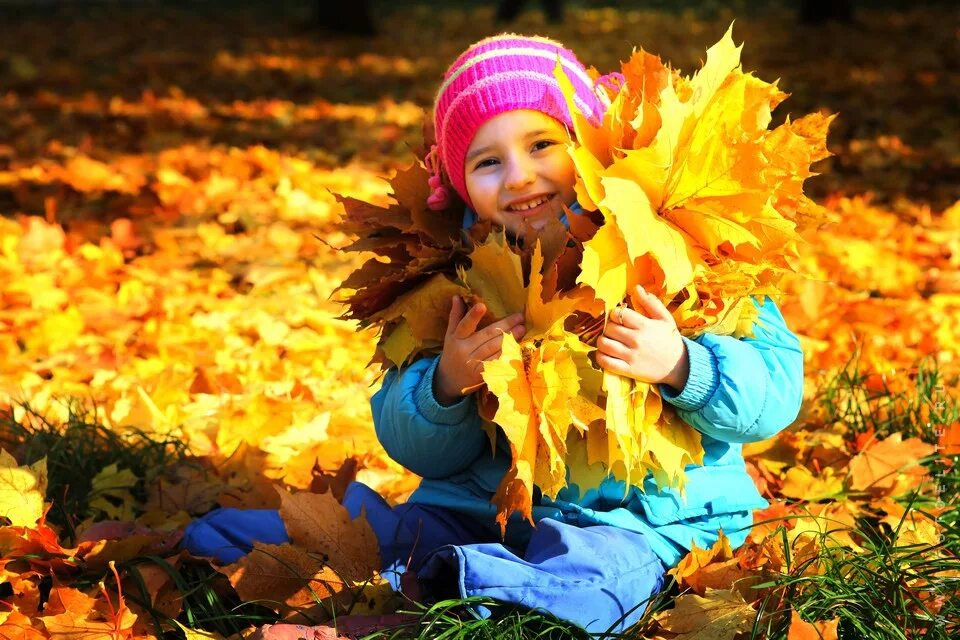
[(465, 349), (644, 345)]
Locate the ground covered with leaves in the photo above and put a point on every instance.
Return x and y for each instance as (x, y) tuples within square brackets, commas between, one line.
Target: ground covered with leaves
[(167, 227)]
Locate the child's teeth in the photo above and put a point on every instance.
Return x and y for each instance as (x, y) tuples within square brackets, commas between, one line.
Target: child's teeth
[(530, 205)]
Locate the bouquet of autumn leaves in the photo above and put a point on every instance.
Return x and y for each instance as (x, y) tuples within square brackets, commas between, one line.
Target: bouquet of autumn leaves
[(685, 192)]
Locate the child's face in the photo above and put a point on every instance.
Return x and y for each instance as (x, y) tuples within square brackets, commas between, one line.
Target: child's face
[(515, 159)]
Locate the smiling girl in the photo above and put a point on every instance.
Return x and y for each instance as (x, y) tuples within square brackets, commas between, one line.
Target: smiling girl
[(502, 128), (517, 169), (596, 553)]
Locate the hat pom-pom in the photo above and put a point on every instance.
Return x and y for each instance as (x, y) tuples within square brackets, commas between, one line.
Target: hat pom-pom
[(440, 198)]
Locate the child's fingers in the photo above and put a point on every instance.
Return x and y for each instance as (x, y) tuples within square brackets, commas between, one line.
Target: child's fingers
[(498, 328), (613, 365), (456, 315), (624, 316), (468, 323), (621, 334), (490, 349), (487, 349), (613, 348)]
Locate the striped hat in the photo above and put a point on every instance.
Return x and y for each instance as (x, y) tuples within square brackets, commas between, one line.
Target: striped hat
[(493, 76)]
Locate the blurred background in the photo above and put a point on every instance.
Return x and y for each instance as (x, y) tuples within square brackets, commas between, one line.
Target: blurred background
[(280, 74)]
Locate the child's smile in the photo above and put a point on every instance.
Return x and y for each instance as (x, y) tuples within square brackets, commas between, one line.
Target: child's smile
[(518, 170), (535, 211)]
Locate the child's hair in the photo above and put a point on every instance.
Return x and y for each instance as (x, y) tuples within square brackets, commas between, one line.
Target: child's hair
[(493, 76)]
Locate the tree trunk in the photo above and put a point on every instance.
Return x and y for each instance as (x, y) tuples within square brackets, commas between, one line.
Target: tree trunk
[(820, 11), (508, 10), (349, 18)]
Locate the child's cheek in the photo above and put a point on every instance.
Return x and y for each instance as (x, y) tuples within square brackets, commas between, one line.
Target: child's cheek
[(486, 197)]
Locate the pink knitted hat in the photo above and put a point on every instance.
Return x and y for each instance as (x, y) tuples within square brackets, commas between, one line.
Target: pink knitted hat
[(492, 76)]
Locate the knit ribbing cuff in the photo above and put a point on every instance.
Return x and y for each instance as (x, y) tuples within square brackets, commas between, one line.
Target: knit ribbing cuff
[(432, 410), (702, 382)]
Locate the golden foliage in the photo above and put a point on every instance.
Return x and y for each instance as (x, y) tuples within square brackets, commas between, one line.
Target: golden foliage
[(22, 490)]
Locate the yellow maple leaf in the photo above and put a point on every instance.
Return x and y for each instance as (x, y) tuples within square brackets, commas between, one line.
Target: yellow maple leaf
[(800, 483), (540, 316), (538, 385), (674, 444), (828, 524), (399, 343), (910, 527), (535, 384), (110, 493), (590, 136), (22, 489), (642, 437), (496, 276), (645, 232), (606, 266)]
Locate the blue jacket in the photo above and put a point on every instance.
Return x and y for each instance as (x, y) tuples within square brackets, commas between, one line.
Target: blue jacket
[(738, 391)]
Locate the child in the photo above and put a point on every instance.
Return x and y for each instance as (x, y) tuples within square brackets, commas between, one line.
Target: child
[(501, 126)]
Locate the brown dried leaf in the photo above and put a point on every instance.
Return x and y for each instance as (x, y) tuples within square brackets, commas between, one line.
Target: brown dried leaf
[(718, 615), (318, 523), (890, 467), (283, 577)]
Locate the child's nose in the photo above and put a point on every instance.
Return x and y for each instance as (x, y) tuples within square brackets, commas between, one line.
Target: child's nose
[(520, 173)]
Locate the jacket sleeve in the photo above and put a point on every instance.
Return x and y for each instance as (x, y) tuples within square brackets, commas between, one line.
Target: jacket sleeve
[(744, 390), (429, 439)]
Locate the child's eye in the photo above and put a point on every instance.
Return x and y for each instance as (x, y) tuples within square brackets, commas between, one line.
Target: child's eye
[(539, 145)]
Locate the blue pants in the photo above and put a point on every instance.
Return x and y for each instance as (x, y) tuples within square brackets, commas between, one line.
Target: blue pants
[(593, 577)]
